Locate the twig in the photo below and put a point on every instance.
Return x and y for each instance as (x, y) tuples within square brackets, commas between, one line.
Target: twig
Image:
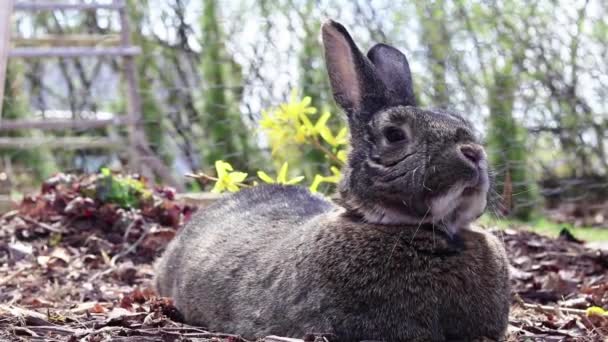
[(125, 236), (327, 152), (103, 329), (132, 247), (553, 309), (126, 251), (35, 337), (211, 178), (25, 330), (185, 329), (10, 277), (204, 334), (153, 331), (54, 329), (42, 225), (273, 338), (32, 318)]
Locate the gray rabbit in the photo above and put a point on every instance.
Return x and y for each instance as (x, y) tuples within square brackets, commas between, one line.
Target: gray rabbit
[(393, 258)]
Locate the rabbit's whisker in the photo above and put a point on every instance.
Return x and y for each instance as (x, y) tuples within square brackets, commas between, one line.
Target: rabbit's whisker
[(426, 187), (433, 236), (395, 163), (419, 225), (388, 260), (397, 176), (445, 229), (414, 174)]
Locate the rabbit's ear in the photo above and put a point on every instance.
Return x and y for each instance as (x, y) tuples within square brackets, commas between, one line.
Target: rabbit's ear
[(392, 67), (355, 84)]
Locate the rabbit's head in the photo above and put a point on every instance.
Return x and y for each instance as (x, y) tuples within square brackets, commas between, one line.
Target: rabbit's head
[(406, 165)]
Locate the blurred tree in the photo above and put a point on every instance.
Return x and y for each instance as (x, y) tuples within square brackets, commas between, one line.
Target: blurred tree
[(147, 69), (314, 83), (313, 77), (499, 63), (15, 106), (436, 41), (507, 143), (177, 68), (226, 135), (499, 75)]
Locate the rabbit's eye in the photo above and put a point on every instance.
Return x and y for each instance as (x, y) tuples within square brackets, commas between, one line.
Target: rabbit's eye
[(394, 134)]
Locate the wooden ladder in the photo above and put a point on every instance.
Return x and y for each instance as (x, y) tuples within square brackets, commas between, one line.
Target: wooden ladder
[(141, 157)]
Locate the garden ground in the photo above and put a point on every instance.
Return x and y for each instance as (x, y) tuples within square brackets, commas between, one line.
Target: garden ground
[(77, 266)]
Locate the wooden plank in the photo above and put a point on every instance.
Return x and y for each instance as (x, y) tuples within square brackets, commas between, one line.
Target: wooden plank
[(72, 40), (57, 6), (6, 9), (65, 143), (136, 134), (72, 52), (59, 124)]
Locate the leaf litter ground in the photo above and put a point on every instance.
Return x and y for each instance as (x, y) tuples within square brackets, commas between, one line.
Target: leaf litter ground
[(76, 265)]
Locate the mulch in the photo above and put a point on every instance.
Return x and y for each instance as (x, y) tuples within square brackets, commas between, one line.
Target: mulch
[(76, 268)]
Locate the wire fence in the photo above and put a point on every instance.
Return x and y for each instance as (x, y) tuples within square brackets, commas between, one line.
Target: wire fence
[(536, 94)]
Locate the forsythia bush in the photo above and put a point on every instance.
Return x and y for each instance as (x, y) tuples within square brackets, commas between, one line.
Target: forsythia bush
[(288, 125)]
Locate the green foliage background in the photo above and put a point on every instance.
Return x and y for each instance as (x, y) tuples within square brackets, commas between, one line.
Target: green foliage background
[(529, 75)]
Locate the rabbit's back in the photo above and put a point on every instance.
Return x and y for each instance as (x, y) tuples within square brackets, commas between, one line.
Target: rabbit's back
[(244, 240)]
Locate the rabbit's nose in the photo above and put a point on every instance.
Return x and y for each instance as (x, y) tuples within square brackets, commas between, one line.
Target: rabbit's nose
[(472, 152)]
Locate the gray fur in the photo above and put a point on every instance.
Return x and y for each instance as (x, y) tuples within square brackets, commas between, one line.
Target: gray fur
[(393, 258)]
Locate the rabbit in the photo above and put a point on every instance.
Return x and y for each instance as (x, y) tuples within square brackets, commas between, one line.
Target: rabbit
[(392, 258)]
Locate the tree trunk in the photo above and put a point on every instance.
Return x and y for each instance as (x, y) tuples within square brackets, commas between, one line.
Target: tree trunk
[(506, 144)]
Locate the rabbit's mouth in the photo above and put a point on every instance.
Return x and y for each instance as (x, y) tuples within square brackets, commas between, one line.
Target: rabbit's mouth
[(474, 186)]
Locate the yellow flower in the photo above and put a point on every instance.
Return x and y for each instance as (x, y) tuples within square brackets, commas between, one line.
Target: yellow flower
[(596, 311), (227, 179), (297, 109), (289, 124), (342, 137), (314, 187), (325, 132), (301, 134), (342, 155), (267, 121), (334, 178), (281, 177)]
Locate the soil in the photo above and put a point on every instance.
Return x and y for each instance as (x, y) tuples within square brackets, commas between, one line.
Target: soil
[(76, 268)]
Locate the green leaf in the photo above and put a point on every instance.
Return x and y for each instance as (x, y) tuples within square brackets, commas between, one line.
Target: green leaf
[(237, 177), (341, 138), (55, 239), (295, 180), (222, 168), (232, 187), (322, 122), (265, 177), (125, 191), (342, 155), (314, 187), (218, 187), (326, 134), (282, 176)]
